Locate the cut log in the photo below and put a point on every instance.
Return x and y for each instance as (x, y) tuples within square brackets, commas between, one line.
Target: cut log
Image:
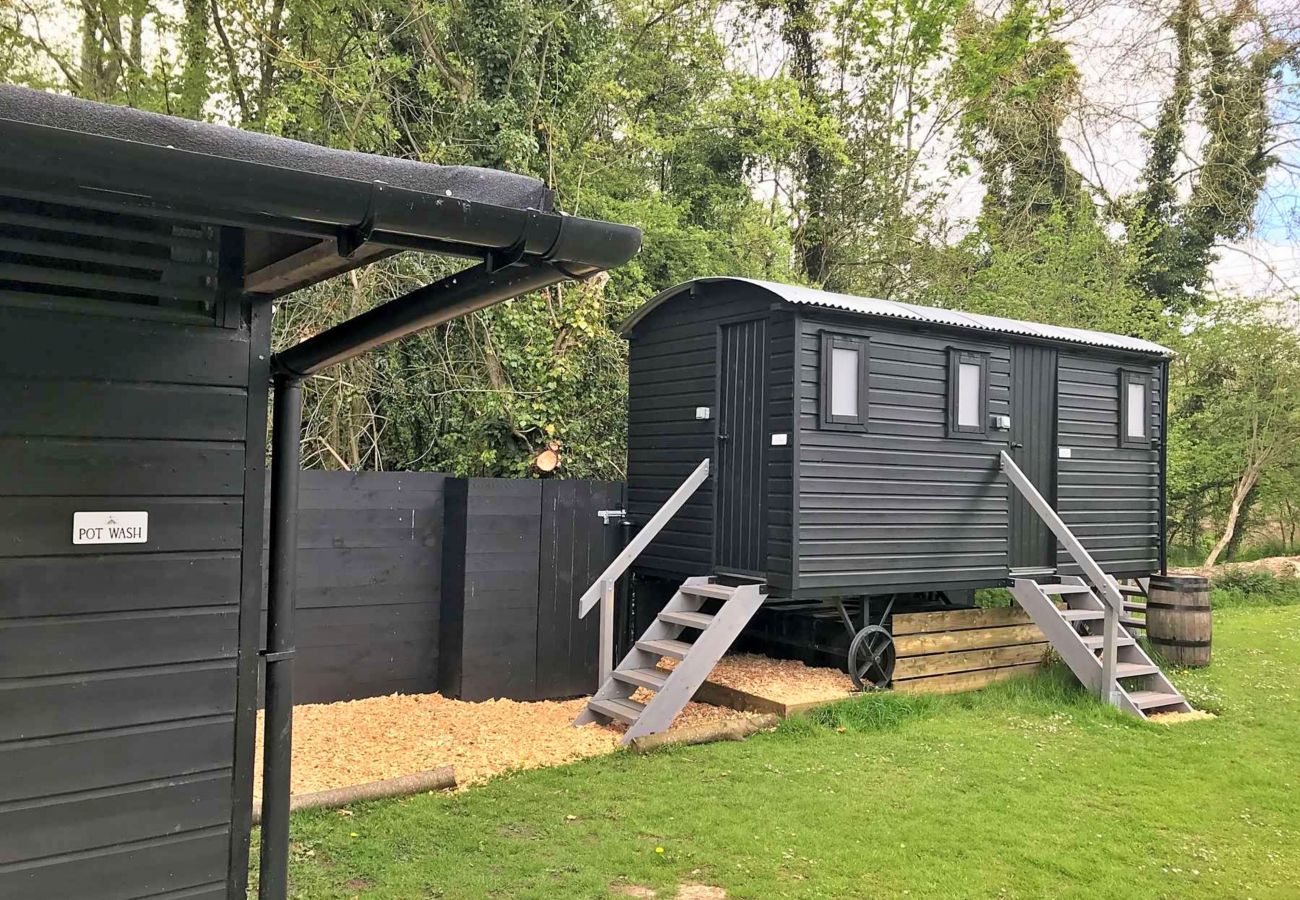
[(440, 779), (548, 460), (730, 730)]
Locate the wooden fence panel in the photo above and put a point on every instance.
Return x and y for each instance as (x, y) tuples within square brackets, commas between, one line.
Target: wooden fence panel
[(576, 545), (964, 649)]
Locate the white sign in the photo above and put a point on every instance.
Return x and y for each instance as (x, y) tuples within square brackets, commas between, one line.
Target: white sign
[(110, 527), (702, 412), (1064, 452), (780, 440)]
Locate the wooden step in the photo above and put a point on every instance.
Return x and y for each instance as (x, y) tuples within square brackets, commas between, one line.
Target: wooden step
[(667, 647), (1082, 615), (1065, 589), (1129, 591), (1154, 699), (1135, 670), (1130, 622), (1130, 606), (1095, 641), (716, 591), (613, 708), (652, 678), (689, 619)]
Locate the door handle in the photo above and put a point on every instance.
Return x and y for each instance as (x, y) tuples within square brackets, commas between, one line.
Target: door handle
[(722, 436), (1016, 445)]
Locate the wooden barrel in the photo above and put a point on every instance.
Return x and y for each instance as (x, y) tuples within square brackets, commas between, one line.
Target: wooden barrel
[(1178, 618)]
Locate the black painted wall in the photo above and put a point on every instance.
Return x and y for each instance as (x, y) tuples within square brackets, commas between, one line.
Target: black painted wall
[(511, 585)]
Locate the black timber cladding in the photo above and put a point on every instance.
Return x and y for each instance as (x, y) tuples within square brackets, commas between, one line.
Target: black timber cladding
[(910, 502), (369, 584), (517, 556), (740, 519), (673, 372), (903, 504), (1109, 495), (119, 663)]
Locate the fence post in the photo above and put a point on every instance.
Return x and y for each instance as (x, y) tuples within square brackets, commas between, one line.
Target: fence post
[(606, 628)]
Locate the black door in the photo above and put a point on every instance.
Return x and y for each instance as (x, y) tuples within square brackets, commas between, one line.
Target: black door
[(1033, 442), (740, 485)]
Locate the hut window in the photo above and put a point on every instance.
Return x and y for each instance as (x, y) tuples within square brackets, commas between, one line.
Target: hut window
[(968, 393), (844, 383), (1134, 409)]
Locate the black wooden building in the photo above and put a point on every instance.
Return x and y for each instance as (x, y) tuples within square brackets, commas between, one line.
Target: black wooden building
[(856, 441), (139, 257)]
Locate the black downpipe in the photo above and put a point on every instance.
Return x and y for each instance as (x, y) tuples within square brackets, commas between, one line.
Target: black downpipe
[(278, 739), (1164, 464)]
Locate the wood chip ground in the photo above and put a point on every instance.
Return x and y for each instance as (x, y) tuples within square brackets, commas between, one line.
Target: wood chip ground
[(783, 680), (356, 741)]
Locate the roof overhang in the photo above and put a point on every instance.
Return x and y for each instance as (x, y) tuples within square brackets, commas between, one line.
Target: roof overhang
[(922, 315), (305, 223)]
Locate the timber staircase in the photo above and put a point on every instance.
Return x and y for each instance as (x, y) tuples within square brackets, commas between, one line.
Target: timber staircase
[(1088, 623), (673, 689), (716, 613)]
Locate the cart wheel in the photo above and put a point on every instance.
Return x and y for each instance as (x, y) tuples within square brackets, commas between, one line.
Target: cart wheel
[(871, 658)]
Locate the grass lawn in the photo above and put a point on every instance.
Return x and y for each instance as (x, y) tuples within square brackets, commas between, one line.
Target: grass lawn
[(1027, 789)]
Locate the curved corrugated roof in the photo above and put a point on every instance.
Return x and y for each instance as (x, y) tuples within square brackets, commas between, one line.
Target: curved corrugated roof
[(892, 309)]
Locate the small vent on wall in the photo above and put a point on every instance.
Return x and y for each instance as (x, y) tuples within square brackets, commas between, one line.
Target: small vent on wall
[(65, 256)]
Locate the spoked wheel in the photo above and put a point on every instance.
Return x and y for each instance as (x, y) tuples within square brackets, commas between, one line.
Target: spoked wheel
[(871, 658)]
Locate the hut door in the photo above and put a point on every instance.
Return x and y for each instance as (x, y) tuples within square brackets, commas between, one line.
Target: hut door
[(740, 488), (1033, 442)]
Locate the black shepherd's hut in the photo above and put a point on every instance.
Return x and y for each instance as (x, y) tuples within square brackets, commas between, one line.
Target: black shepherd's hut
[(857, 441), (139, 256)]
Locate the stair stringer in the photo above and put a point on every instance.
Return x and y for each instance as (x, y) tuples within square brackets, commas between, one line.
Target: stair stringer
[(636, 658), (691, 672), (1059, 632)]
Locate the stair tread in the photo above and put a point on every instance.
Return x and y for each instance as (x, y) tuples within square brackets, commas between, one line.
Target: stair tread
[(1134, 670), (1130, 591), (689, 619), (665, 647), (716, 591), (652, 677), (1082, 615), (1130, 606), (1095, 641), (615, 708), (1130, 622), (1065, 589), (1152, 699)]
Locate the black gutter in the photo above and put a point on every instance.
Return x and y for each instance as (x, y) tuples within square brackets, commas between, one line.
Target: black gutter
[(277, 758), (211, 188)]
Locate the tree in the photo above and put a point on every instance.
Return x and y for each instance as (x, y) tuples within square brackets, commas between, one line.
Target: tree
[(1236, 411)]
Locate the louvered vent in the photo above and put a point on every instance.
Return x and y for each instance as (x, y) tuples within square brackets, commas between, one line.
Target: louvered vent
[(55, 255)]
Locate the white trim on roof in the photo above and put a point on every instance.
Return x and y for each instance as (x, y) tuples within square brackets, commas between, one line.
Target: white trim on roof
[(892, 309)]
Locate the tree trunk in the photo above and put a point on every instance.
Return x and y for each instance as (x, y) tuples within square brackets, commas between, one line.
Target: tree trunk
[(194, 54), (1243, 488), (800, 34)]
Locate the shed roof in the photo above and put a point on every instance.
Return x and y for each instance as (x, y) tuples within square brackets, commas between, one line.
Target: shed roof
[(86, 117), (892, 309)]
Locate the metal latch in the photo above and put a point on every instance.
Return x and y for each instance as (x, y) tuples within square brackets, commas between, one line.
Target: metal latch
[(607, 514)]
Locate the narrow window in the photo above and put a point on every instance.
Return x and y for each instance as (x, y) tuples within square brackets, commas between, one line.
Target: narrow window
[(844, 382), (1134, 409), (968, 393)]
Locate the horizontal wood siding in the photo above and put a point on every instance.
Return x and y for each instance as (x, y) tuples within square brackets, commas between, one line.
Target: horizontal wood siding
[(672, 370), (1109, 496), (118, 662), (901, 506), (964, 649), (369, 584)]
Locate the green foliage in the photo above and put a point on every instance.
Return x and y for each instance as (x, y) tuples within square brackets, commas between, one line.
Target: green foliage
[(1238, 586)]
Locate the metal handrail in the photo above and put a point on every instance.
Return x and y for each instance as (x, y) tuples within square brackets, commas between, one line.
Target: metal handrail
[(1111, 596), (634, 547)]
